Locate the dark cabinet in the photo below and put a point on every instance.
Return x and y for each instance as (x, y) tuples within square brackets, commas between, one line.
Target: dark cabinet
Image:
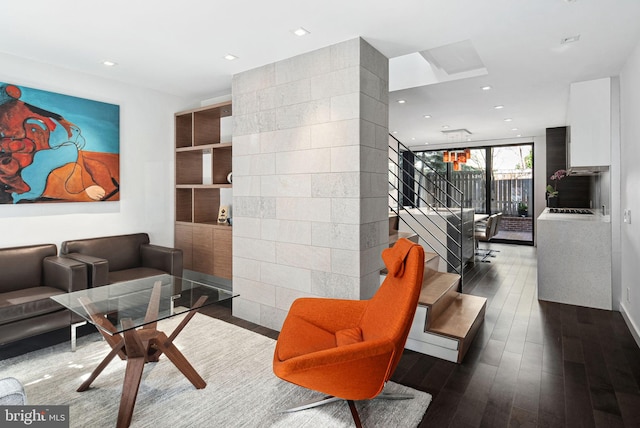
[(574, 191)]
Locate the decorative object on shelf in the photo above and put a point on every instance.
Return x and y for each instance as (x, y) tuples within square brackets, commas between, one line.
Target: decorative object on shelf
[(46, 158), (229, 177), (552, 191), (223, 214)]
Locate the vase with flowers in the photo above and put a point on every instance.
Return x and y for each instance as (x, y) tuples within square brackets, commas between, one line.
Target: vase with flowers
[(552, 191)]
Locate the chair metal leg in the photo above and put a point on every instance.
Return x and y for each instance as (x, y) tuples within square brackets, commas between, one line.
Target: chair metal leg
[(312, 403), (74, 335), (352, 407)]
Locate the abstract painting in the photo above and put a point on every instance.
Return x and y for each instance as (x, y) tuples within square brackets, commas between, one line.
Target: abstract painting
[(57, 148)]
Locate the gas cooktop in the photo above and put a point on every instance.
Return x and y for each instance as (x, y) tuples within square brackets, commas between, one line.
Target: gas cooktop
[(570, 211)]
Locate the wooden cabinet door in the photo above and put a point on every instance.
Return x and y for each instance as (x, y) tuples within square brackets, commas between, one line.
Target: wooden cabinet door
[(222, 259), (203, 249), (184, 242)]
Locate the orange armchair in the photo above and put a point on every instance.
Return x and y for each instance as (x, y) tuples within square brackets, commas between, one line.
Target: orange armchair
[(348, 349)]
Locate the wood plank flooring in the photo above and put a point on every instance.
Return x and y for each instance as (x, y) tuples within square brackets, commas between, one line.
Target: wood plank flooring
[(533, 364)]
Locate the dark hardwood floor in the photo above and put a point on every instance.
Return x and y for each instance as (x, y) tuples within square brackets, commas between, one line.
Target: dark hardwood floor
[(533, 364)]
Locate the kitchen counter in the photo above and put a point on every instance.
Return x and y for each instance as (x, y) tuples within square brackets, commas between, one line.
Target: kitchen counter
[(574, 259), (595, 217)]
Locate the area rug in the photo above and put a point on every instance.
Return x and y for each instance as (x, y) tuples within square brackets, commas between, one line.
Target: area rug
[(241, 391)]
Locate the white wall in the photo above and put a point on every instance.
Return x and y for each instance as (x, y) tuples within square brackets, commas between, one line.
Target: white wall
[(630, 189), (146, 163)]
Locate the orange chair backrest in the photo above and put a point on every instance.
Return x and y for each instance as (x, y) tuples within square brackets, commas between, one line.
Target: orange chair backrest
[(390, 311)]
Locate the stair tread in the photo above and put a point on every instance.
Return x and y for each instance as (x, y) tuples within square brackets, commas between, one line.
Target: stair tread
[(428, 255), (435, 285), (393, 237), (459, 317)]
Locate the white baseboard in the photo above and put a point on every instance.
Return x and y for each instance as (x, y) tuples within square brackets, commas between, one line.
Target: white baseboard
[(633, 328)]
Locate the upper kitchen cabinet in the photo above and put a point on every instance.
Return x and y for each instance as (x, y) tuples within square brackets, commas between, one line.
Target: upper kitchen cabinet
[(589, 142)]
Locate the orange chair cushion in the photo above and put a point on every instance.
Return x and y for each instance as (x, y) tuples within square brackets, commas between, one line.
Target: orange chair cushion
[(349, 336), (309, 338)]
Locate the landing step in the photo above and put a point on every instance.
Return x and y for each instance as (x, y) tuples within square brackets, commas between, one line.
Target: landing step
[(450, 334), (436, 285), (459, 318)]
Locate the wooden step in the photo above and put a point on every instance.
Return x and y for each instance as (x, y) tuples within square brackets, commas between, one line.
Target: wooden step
[(393, 237), (439, 290), (461, 321), (431, 261)]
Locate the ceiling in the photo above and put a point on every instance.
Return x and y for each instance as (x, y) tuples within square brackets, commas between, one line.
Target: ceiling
[(178, 48)]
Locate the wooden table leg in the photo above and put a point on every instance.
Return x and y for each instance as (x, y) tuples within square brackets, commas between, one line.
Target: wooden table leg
[(103, 364), (136, 353), (139, 347), (169, 349)]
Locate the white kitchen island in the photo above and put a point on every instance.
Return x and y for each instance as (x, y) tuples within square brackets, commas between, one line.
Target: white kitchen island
[(574, 259)]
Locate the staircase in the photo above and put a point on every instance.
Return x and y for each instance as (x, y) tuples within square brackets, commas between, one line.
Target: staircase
[(446, 321)]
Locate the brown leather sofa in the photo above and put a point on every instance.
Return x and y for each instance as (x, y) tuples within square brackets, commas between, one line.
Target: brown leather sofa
[(28, 277), (122, 258)]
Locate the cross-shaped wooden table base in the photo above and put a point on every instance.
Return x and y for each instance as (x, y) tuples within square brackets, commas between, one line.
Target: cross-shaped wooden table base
[(138, 347)]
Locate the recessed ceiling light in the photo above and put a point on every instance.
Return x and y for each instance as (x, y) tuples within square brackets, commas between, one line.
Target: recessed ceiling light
[(445, 126), (468, 139), (230, 57), (402, 101), (486, 88), (508, 119), (570, 39), (427, 116), (109, 63), (514, 129), (519, 135), (498, 107), (426, 143), (394, 132), (413, 138), (300, 32)]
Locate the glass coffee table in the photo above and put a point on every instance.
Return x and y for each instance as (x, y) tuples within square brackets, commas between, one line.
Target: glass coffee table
[(127, 313)]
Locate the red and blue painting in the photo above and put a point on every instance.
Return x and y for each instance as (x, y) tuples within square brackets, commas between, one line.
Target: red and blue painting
[(57, 148)]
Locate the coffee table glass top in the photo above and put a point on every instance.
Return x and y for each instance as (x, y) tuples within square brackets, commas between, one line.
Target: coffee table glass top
[(129, 300)]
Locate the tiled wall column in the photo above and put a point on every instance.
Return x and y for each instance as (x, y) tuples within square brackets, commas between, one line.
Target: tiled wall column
[(310, 215)]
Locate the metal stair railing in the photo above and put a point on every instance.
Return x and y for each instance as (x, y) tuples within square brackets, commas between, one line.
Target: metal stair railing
[(449, 207)]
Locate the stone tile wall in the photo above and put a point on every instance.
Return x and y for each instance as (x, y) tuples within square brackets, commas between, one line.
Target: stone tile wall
[(310, 215)]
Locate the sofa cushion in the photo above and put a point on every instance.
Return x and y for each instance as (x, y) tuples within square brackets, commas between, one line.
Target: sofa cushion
[(122, 251), (135, 273), (27, 303), (21, 267)]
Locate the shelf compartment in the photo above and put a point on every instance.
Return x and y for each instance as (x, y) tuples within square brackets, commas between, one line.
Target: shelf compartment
[(221, 164), (184, 205), (184, 126), (189, 167), (206, 202)]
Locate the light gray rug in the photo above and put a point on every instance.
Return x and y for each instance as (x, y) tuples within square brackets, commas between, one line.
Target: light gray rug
[(241, 391)]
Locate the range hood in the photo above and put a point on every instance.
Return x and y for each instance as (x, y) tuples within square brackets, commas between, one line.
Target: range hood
[(586, 170)]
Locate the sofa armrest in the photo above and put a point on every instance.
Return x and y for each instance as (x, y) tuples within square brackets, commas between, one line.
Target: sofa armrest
[(162, 258), (97, 268), (66, 274)]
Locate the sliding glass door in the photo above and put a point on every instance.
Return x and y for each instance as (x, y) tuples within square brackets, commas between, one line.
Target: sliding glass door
[(492, 179)]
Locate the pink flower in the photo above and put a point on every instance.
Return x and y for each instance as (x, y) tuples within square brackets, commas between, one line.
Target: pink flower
[(558, 175)]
